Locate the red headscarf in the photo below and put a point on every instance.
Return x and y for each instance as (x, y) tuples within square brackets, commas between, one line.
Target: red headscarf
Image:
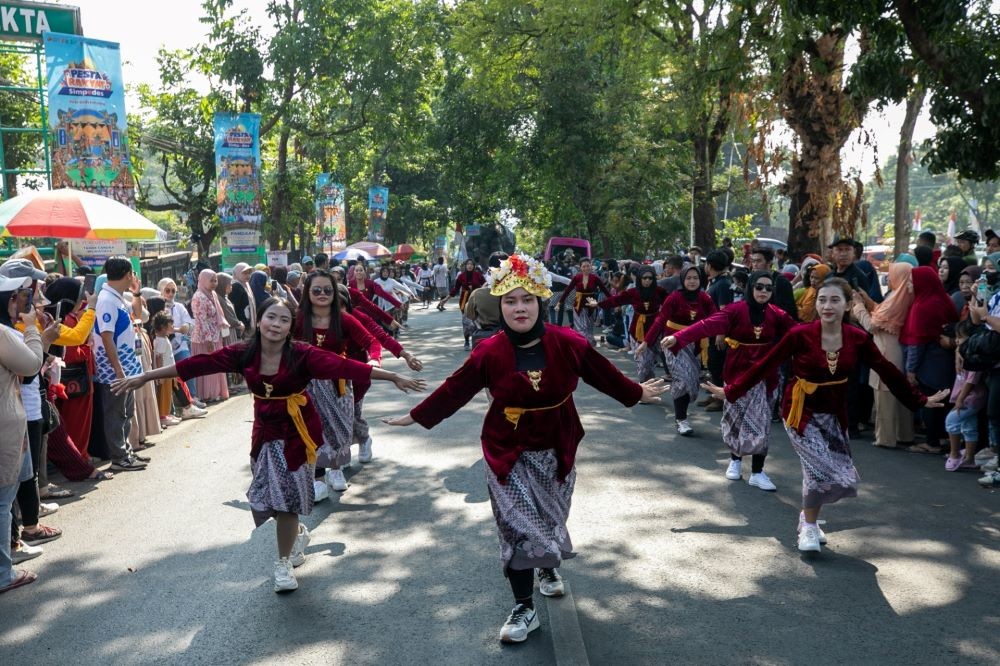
[(931, 311)]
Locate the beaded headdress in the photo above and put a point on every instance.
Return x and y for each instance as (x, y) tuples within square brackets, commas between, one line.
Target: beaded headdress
[(520, 271)]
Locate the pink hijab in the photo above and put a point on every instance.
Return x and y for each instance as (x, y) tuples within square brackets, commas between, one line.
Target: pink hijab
[(890, 314), (205, 287)]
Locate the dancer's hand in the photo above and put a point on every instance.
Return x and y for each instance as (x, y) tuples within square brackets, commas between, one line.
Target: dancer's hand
[(938, 399), (668, 342), (405, 420), (407, 384), (651, 391), (394, 325), (415, 364), (716, 392), (123, 384), (590, 302), (641, 348)]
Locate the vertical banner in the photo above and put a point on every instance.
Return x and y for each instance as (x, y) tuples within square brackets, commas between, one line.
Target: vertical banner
[(238, 195), (378, 204), (331, 225), (87, 122)]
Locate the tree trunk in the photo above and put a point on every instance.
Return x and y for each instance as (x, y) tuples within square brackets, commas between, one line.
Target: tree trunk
[(706, 152), (280, 200), (800, 239), (901, 215)]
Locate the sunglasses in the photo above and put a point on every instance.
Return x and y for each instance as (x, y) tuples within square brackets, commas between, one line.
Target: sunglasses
[(321, 291), (760, 286)]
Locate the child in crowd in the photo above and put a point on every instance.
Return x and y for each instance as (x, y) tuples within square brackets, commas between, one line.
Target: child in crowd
[(962, 423), (172, 389)]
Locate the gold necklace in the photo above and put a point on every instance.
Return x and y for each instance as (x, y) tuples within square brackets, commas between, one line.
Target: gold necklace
[(831, 361), (757, 330), (320, 338), (267, 389), (535, 377)]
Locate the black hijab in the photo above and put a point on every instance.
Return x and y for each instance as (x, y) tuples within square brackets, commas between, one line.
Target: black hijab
[(529, 336), (689, 295), (955, 267), (645, 293), (757, 310), (67, 291)]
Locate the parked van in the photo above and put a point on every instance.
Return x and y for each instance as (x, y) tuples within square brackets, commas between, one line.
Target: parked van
[(557, 246)]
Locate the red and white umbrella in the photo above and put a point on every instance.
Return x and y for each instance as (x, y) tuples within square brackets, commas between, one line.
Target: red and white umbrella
[(68, 213)]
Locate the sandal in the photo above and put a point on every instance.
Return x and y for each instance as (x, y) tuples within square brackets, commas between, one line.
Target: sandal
[(55, 492), (23, 577), (924, 447), (101, 476)]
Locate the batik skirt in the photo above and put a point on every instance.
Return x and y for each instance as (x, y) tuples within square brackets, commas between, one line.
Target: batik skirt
[(685, 372), (336, 413), (360, 425), (468, 326), (828, 472), (583, 323), (746, 423), (531, 510), (274, 488), (646, 364)]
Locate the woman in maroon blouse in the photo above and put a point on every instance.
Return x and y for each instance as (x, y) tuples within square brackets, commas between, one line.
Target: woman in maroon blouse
[(286, 427), (532, 429), (470, 279), (824, 353), (320, 322), (751, 327), (645, 300), (586, 285), (685, 306)]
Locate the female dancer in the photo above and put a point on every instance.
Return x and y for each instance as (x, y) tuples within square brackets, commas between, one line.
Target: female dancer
[(824, 354), (646, 300), (684, 307), (586, 285), (532, 429), (893, 421), (321, 323), (470, 279), (751, 326), (806, 302), (360, 281), (286, 425)]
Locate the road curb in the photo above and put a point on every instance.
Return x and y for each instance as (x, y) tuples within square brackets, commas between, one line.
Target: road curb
[(567, 638)]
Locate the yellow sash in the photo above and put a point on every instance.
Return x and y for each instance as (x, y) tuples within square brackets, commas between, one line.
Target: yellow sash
[(704, 341), (800, 390), (342, 383), (736, 344), (578, 301), (294, 404), (640, 327), (513, 414)]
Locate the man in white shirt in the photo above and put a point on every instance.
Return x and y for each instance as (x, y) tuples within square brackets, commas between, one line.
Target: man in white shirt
[(115, 358), (440, 273)]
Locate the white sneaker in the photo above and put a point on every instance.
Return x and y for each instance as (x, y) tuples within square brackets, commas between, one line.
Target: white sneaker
[(284, 576), (733, 472), (365, 452), (335, 480), (521, 621), (822, 534), (809, 539), (320, 491), (550, 583), (684, 428), (192, 412), (760, 480), (47, 509), (22, 552), (298, 556)]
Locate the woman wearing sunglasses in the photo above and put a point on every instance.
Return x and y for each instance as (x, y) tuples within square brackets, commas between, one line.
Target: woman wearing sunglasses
[(751, 327), (322, 322)]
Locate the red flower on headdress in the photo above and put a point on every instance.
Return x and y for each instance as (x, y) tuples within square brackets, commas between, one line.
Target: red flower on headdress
[(518, 266)]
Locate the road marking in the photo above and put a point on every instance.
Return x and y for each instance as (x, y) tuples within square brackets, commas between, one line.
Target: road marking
[(567, 638)]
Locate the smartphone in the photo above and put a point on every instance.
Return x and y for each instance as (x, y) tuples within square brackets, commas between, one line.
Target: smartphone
[(88, 283)]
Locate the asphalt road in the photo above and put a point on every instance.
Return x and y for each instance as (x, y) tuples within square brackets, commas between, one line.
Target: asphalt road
[(675, 564)]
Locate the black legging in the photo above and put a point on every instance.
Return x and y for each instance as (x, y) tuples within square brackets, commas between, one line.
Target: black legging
[(993, 406), (756, 462), (934, 418), (681, 407), (27, 492), (522, 584)]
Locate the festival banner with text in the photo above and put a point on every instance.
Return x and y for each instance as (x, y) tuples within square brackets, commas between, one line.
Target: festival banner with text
[(238, 193), (378, 205), (86, 116), (331, 225)]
